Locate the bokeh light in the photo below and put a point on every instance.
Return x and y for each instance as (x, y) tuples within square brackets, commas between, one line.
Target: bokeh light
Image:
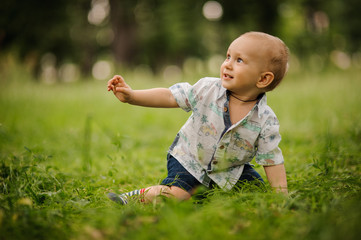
[(212, 10), (341, 59), (214, 64), (48, 71), (99, 11), (102, 70), (172, 72), (69, 72)]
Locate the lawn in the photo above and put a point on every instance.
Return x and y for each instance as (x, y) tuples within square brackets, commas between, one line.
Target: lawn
[(64, 146)]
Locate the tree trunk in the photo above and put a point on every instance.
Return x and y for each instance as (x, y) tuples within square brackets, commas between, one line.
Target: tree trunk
[(125, 28)]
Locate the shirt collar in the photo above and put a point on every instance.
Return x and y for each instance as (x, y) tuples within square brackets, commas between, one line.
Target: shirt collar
[(222, 92), (262, 105)]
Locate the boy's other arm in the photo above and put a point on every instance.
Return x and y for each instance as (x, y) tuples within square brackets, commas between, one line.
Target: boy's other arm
[(276, 176), (156, 97)]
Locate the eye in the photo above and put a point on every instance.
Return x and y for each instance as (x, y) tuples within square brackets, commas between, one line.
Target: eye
[(239, 60), (228, 57)]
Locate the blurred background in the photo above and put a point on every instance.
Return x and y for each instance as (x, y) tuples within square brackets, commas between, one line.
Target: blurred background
[(72, 40)]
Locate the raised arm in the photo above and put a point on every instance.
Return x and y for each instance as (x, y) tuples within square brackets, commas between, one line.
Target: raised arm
[(276, 176), (155, 97)]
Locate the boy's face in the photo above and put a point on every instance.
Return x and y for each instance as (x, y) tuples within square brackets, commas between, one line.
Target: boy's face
[(245, 62)]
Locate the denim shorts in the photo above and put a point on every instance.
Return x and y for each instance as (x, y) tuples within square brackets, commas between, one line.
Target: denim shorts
[(178, 176)]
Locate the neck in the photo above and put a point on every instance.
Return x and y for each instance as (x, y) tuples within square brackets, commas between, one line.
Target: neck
[(244, 100)]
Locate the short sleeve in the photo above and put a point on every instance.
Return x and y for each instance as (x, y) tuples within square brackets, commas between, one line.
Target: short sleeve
[(180, 92), (188, 96), (268, 151)]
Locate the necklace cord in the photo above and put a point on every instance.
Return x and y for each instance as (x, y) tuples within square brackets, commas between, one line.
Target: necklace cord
[(244, 100)]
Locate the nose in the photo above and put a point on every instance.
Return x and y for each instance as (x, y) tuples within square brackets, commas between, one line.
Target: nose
[(227, 64)]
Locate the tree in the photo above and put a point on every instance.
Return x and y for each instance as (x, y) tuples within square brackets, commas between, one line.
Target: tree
[(34, 27), (155, 32)]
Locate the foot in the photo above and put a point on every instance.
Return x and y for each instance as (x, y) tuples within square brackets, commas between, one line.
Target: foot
[(118, 198)]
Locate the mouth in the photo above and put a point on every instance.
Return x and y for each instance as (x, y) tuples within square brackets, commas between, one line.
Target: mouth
[(227, 76)]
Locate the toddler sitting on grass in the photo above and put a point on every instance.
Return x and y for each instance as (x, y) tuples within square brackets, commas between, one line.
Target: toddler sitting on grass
[(230, 124)]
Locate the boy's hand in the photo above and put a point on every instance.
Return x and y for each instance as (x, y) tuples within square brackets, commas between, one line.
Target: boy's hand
[(120, 89)]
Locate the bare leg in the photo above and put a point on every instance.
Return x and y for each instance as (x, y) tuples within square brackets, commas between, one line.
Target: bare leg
[(173, 192), (149, 194)]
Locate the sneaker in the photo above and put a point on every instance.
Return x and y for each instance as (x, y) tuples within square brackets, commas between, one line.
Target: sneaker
[(121, 199)]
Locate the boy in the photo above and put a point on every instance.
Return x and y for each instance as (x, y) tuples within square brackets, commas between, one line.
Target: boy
[(230, 124)]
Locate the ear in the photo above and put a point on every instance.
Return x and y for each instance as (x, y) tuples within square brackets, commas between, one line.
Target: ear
[(266, 79)]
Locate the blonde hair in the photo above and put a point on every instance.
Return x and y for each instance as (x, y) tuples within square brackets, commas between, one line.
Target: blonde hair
[(278, 60)]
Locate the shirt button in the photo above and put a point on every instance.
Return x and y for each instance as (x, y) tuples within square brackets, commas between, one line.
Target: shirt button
[(221, 147), (225, 109)]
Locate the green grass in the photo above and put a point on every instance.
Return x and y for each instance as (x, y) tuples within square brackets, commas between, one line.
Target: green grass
[(62, 147)]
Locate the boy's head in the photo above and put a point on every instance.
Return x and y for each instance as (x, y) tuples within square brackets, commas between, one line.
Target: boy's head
[(275, 53), (258, 56)]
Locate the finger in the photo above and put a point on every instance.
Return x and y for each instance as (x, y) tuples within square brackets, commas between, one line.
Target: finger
[(121, 90), (119, 78), (110, 87), (110, 84), (114, 80), (111, 80)]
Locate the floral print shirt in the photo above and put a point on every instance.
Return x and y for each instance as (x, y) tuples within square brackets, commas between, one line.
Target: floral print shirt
[(210, 147)]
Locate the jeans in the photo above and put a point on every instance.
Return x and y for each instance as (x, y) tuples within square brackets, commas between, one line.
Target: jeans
[(178, 176)]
